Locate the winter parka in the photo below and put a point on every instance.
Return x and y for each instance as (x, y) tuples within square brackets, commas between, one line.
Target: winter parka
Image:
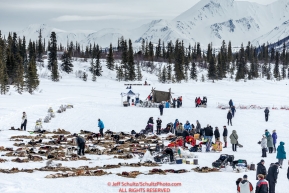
[(225, 132), (261, 169), (198, 127), (274, 136), (217, 133), (100, 124), (159, 122), (262, 186), (264, 143), (188, 126), (180, 129), (269, 140), (273, 172), (229, 115), (245, 187), (281, 154), (234, 137)]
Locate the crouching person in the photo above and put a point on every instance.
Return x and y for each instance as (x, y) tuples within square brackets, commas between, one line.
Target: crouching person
[(80, 142), (170, 152)]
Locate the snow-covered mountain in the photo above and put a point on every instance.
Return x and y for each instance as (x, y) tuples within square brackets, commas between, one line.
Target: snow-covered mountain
[(207, 21)]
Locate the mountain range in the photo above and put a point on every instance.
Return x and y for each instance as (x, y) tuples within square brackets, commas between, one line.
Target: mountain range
[(208, 21)]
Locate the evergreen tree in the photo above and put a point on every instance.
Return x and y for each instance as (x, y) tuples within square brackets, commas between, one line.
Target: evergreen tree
[(219, 67), (98, 67), (66, 65), (230, 55), (4, 83), (138, 73), (193, 73), (242, 70), (124, 59), (40, 48), (18, 81), (164, 75), (31, 77), (203, 77), (179, 61), (212, 69), (131, 65), (119, 73), (52, 56), (54, 72), (276, 68), (169, 72), (158, 50), (110, 59), (84, 76)]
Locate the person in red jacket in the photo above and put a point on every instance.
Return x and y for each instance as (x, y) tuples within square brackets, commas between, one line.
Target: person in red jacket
[(262, 185)]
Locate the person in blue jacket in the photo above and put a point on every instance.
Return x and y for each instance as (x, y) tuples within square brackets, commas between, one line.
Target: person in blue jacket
[(233, 110), (101, 127), (167, 104), (274, 136), (188, 126), (176, 124)]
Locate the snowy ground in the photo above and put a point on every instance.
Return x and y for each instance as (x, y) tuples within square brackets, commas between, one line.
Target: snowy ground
[(101, 99)]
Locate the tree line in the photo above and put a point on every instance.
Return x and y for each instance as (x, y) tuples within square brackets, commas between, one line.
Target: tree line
[(18, 62)]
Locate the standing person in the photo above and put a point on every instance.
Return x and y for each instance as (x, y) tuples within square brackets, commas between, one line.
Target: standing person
[(187, 126), (233, 110), (101, 127), (238, 182), (262, 185), (274, 136), (225, 134), (261, 169), (178, 103), (229, 117), (264, 146), (80, 142), (234, 140), (266, 111), (231, 103), (174, 103), (161, 107), (281, 154), (245, 186), (198, 127), (288, 171), (272, 177), (217, 134), (208, 136), (270, 143), (167, 104), (181, 101), (176, 124), (24, 121), (196, 100), (159, 126)]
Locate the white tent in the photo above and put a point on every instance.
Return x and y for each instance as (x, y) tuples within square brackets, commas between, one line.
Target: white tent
[(128, 93)]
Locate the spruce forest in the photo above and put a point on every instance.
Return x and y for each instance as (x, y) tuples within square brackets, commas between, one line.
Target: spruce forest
[(172, 62)]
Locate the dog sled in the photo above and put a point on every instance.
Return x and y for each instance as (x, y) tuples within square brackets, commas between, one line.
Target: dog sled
[(223, 161)]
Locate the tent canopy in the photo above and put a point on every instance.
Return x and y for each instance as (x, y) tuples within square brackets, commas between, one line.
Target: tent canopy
[(129, 93)]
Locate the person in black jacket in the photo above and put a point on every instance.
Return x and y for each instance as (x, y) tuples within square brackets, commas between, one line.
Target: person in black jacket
[(266, 111), (229, 117), (231, 103), (159, 126), (272, 177), (209, 136), (261, 169), (217, 134), (151, 121), (161, 107), (170, 152), (80, 143), (225, 134)]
